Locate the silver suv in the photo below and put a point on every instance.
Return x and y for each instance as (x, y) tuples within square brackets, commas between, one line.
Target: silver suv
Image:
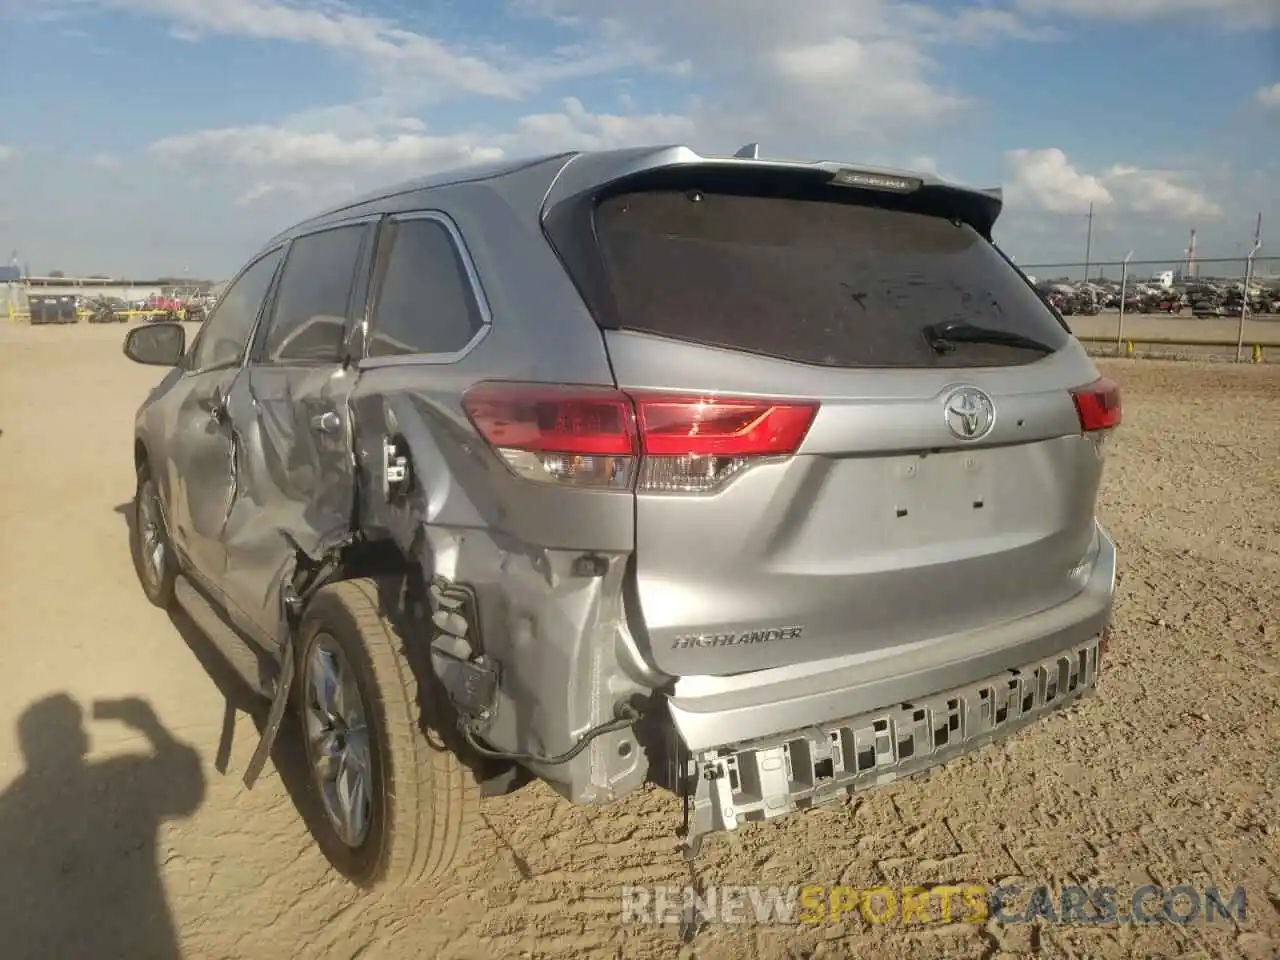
[(762, 481)]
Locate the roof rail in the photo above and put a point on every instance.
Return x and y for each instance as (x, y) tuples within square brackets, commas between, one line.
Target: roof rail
[(750, 152)]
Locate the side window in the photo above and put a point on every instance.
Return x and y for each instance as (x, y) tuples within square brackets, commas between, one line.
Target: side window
[(312, 304), (423, 301), (226, 333)]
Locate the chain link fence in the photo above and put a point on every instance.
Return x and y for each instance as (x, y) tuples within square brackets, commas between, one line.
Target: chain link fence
[(1210, 306)]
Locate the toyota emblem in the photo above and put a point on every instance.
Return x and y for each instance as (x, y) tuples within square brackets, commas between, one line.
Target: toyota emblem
[(969, 413)]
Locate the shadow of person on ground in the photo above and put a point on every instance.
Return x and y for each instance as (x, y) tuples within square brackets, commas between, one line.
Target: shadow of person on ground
[(79, 876)]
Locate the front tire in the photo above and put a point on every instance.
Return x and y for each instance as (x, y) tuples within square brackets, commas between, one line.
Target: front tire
[(153, 557), (396, 807)]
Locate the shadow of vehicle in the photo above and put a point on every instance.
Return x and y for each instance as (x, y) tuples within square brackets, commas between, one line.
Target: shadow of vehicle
[(80, 876)]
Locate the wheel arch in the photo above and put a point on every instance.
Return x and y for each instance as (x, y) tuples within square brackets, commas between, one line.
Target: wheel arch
[(355, 559)]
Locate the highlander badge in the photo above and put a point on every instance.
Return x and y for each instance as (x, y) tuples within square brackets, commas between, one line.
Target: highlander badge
[(692, 640)]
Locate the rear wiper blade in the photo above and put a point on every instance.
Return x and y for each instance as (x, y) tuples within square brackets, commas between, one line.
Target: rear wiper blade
[(943, 337)]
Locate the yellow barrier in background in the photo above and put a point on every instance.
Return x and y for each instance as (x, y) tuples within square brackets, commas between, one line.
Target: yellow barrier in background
[(82, 316)]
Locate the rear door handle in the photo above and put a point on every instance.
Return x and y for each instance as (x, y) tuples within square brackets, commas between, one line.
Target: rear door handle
[(327, 422)]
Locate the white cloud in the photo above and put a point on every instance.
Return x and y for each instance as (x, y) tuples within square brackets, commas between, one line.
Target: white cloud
[(1269, 96), (104, 161), (871, 78), (1047, 180), (834, 68), (265, 147), (1157, 192), (827, 74), (295, 159), (925, 163), (7, 153), (268, 189), (1218, 12), (575, 128), (415, 65), (372, 39), (373, 116), (405, 143), (838, 68), (258, 191), (979, 24)]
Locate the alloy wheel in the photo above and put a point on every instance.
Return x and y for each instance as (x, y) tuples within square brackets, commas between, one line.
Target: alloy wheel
[(338, 740)]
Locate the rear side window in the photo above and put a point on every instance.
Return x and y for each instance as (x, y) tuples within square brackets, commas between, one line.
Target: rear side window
[(424, 300), (313, 303), (828, 283)]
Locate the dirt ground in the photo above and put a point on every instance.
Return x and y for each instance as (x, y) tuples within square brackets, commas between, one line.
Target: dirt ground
[(121, 837)]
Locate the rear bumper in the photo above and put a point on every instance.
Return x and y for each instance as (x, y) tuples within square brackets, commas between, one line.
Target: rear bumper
[(710, 712), (775, 776)]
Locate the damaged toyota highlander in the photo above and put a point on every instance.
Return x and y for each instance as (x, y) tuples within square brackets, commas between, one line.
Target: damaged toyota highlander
[(761, 481)]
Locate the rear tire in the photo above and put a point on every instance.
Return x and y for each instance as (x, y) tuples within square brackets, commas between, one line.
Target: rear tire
[(421, 800), (153, 557)]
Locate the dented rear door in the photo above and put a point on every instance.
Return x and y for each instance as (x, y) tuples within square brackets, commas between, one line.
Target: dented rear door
[(295, 469), (200, 437)]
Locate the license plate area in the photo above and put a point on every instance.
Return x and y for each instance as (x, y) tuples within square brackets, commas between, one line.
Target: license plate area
[(949, 493)]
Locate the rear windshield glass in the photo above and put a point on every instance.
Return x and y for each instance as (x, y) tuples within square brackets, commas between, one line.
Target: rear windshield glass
[(836, 284)]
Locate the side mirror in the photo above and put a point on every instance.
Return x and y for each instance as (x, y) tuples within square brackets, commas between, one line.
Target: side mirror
[(156, 344)]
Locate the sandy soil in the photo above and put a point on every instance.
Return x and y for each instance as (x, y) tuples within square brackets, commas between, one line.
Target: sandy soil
[(1169, 775)]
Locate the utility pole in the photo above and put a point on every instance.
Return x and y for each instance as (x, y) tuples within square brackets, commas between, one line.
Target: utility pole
[(1124, 290), (1248, 279), (1088, 243)]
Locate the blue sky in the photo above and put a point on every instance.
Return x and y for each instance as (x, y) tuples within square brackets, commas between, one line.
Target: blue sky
[(145, 137)]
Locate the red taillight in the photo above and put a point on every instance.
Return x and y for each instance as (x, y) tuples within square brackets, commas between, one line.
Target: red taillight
[(589, 436), (730, 427), (1098, 405), (548, 419)]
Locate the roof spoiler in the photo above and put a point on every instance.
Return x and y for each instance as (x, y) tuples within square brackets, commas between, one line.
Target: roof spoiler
[(590, 172)]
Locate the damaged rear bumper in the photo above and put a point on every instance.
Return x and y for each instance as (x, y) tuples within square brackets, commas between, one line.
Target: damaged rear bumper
[(714, 711), (767, 743), (778, 775)]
